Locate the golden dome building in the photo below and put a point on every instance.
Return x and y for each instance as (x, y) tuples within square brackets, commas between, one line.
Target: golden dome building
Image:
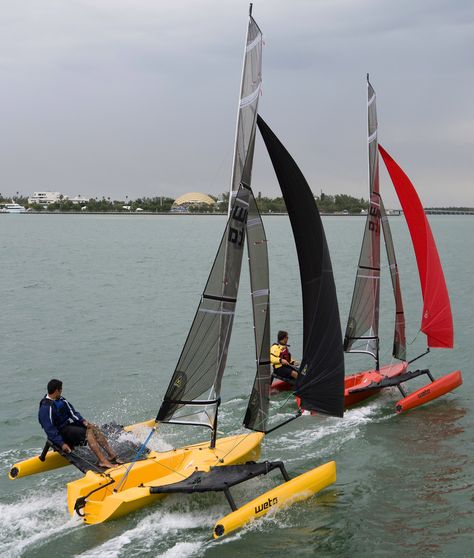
[(184, 202)]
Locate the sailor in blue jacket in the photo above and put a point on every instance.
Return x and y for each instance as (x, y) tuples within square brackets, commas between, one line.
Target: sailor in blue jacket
[(65, 427)]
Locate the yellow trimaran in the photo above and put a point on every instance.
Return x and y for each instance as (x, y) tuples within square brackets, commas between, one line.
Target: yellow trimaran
[(193, 395)]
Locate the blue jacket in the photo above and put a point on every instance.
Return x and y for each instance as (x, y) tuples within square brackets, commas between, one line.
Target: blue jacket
[(54, 415)]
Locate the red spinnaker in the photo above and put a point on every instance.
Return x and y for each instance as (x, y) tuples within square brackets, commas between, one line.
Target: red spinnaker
[(437, 320)]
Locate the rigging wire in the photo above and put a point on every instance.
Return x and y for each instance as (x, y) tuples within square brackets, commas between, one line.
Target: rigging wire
[(135, 459), (221, 459), (414, 338)]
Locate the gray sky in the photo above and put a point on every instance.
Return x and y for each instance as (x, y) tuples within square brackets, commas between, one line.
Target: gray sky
[(139, 97)]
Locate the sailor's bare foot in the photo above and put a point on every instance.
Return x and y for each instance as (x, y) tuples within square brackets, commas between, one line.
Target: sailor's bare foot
[(116, 459), (107, 464)]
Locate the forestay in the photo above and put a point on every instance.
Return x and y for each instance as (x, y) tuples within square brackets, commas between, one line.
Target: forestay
[(320, 384)]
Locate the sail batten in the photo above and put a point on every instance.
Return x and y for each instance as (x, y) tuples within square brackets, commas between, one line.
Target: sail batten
[(320, 384), (437, 320)]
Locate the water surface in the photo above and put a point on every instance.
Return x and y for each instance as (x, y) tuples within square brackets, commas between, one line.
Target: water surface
[(105, 304)]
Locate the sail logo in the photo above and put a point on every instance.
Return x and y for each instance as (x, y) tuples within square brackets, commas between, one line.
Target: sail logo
[(178, 382), (266, 505)]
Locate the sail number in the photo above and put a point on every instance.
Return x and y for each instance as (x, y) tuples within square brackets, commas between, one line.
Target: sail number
[(374, 225), (236, 236)]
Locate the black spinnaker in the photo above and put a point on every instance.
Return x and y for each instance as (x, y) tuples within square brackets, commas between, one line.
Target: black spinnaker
[(320, 384)]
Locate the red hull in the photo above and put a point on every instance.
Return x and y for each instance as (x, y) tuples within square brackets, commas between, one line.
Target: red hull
[(280, 385), (359, 380), (362, 379), (431, 391)]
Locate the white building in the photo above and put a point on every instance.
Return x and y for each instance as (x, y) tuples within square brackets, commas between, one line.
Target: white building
[(79, 199), (45, 198)]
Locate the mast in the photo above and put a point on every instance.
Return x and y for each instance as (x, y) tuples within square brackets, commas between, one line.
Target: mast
[(193, 395), (250, 86), (362, 330), (320, 383)]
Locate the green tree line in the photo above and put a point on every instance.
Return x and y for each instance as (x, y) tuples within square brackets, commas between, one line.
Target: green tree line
[(326, 203)]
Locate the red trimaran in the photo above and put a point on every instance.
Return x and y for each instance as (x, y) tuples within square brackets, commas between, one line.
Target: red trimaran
[(362, 331)]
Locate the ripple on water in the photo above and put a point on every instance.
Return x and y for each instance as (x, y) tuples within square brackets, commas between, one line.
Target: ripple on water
[(33, 519)]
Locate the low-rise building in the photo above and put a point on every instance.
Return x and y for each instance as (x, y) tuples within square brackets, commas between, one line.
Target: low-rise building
[(78, 199), (46, 198)]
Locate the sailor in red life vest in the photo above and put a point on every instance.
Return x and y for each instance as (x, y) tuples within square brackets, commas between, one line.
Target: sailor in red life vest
[(284, 367)]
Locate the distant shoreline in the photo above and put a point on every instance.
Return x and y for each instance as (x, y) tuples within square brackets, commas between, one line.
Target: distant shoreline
[(171, 214), (216, 214)]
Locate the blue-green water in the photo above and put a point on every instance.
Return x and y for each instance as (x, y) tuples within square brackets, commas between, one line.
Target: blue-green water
[(105, 304)]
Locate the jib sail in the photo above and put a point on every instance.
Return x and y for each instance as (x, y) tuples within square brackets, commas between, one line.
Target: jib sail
[(399, 340), (257, 409)]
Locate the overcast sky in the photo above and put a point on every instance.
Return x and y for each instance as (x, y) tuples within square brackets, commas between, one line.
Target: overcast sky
[(139, 97)]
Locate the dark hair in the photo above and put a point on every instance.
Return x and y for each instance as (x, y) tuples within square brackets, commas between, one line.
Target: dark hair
[(53, 385), (281, 335)]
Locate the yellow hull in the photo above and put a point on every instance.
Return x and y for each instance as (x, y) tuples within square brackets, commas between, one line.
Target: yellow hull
[(33, 465), (284, 495), (158, 469), (54, 460)]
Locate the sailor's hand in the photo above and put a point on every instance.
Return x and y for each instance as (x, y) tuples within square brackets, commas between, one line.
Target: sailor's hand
[(284, 362), (86, 423), (66, 448)]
